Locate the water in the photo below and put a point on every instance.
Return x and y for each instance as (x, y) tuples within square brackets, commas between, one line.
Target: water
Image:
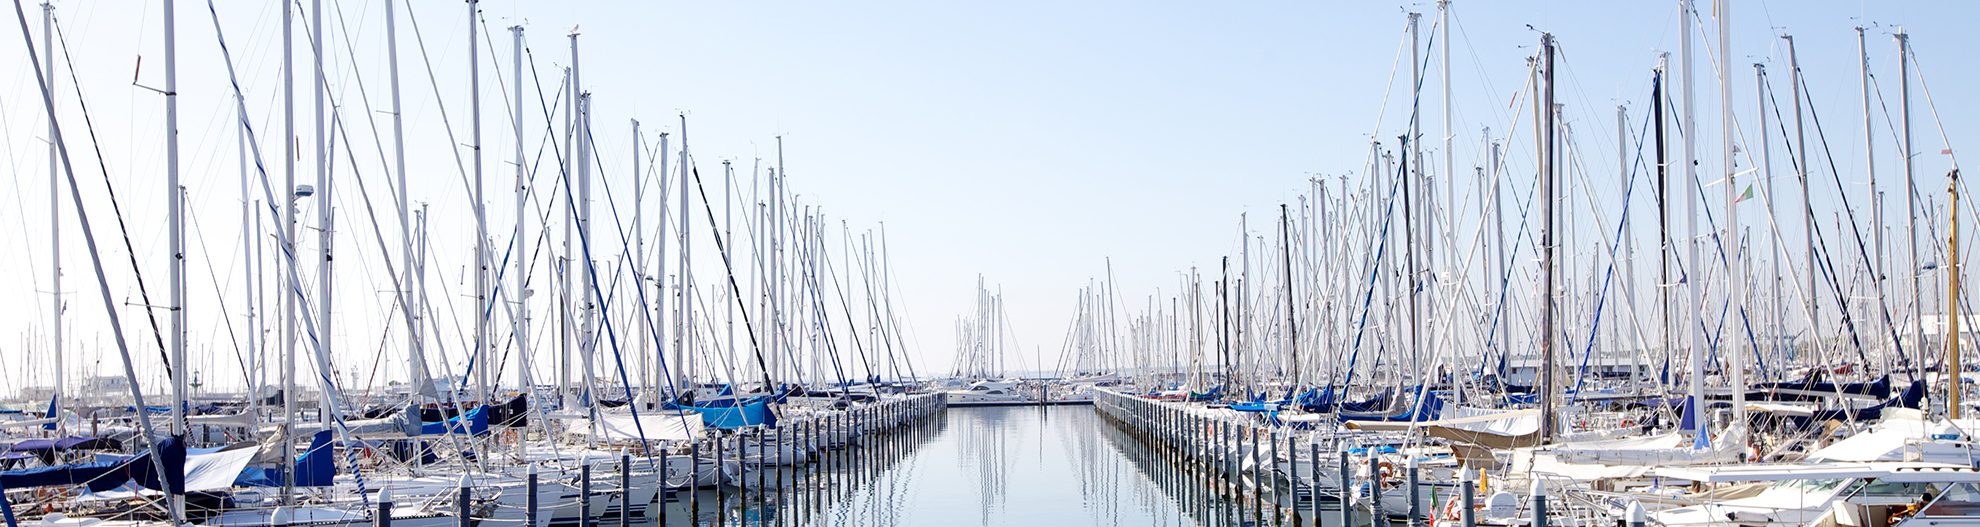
[(998, 467)]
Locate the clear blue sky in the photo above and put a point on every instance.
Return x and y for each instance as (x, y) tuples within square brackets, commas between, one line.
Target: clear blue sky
[(1025, 141)]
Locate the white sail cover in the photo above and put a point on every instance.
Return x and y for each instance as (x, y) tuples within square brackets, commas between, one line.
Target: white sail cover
[(1903, 436), (648, 425), (217, 470), (1660, 449), (396, 426), (1501, 422), (205, 472)]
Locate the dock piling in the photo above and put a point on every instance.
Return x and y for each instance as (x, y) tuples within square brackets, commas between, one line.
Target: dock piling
[(383, 518)]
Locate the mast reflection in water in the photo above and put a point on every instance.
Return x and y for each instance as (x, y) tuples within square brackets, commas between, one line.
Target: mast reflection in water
[(990, 467)]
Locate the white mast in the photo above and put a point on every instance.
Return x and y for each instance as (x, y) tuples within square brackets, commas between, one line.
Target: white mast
[(660, 374), (176, 229), (481, 343), (520, 252), (288, 291), (55, 214), (1412, 220), (1877, 268), (1628, 230), (250, 228), (728, 251), (1735, 358), (774, 318), (1450, 160), (324, 208), (1766, 172), (1547, 244), (581, 157), (1801, 173), (415, 357), (639, 251), (1910, 191), (684, 318), (566, 302), (1693, 276)]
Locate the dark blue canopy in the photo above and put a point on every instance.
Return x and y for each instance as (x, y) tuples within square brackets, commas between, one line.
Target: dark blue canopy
[(108, 473), (314, 468)]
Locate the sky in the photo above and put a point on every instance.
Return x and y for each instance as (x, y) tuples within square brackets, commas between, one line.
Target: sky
[(1039, 145)]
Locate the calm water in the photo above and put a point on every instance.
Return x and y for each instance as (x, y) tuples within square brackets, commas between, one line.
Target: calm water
[(985, 467)]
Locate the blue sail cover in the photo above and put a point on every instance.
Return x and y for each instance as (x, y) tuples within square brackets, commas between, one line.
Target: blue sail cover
[(1259, 406), (316, 467), (108, 472), (1429, 406), (65, 475), (1206, 396), (477, 424), (751, 413)]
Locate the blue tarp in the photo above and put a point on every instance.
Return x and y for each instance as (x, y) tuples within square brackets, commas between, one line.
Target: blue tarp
[(1259, 406), (477, 424), (316, 467), (1427, 408), (751, 413), (108, 473), (64, 475), (68, 443), (1206, 396)]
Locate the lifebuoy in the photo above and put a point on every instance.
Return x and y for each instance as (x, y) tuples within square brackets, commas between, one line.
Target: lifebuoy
[(1386, 469)]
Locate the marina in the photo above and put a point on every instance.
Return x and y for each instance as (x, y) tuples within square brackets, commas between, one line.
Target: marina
[(457, 264)]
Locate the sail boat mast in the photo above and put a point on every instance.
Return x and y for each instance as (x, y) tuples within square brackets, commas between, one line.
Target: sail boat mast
[(481, 343), (288, 289), (1292, 319), (520, 253), (1877, 267), (415, 358), (1801, 173), (325, 207), (1735, 358), (1547, 246), (1413, 177), (1953, 361), (175, 218), (1693, 277), (1664, 313), (55, 220), (1910, 194), (1777, 315)]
